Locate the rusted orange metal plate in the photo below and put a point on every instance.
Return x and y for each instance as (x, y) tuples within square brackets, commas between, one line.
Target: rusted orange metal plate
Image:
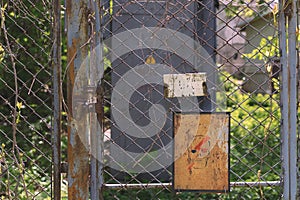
[(201, 152)]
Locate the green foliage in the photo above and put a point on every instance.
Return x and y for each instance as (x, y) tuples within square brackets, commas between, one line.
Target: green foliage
[(268, 48), (247, 8), (255, 136), (28, 27), (2, 53)]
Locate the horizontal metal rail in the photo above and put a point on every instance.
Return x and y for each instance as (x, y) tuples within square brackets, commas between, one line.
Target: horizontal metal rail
[(256, 184), (161, 185)]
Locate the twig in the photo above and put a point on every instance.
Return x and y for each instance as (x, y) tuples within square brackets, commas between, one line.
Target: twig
[(266, 133), (15, 113)]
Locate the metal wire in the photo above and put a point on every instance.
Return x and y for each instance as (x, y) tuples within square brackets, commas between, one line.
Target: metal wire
[(25, 100), (244, 48), (115, 68), (245, 35)]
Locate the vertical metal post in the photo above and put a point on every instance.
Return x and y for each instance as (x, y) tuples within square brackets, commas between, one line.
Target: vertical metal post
[(284, 100), (78, 154), (289, 60), (57, 95), (96, 70), (99, 128), (298, 99), (292, 67), (96, 120), (92, 117)]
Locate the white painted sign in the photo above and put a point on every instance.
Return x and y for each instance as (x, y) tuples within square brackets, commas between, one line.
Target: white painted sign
[(185, 85)]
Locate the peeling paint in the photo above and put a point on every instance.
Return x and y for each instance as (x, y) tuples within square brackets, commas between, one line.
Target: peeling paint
[(78, 155), (204, 165), (184, 85)]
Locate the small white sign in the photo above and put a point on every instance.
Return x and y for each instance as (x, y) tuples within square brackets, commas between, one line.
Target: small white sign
[(185, 85)]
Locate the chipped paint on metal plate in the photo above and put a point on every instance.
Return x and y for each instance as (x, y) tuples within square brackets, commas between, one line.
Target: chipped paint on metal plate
[(185, 85)]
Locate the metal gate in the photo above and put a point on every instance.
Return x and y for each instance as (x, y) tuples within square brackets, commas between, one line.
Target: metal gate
[(251, 72), (86, 112)]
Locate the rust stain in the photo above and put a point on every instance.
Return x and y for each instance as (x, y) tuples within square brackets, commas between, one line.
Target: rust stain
[(210, 173), (193, 170), (78, 154), (201, 143), (78, 168), (71, 54), (204, 150), (166, 90), (69, 7), (191, 166), (71, 57)]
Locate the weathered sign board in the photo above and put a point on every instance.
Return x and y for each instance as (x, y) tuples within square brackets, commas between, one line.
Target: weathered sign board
[(201, 152), (185, 85)]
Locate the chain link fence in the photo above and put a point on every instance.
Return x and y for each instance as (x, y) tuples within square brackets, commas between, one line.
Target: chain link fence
[(234, 43), (243, 75), (25, 100)]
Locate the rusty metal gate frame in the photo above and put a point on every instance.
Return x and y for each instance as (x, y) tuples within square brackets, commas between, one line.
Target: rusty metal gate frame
[(289, 62), (57, 100), (77, 22)]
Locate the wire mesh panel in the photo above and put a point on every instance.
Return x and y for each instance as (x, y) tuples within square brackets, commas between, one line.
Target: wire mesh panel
[(231, 44), (25, 100), (236, 44), (253, 95), (147, 95)]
